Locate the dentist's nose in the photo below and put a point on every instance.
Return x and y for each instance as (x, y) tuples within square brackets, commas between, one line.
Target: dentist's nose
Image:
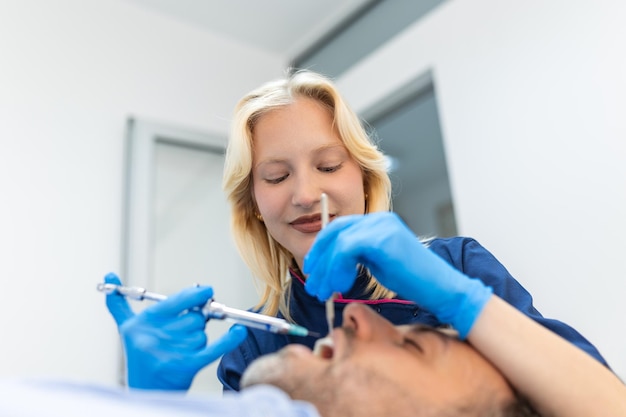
[(306, 192)]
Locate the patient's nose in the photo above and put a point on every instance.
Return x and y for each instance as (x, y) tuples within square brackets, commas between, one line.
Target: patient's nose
[(365, 323)]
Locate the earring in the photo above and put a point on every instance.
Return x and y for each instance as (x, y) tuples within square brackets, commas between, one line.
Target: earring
[(258, 216), (366, 195)]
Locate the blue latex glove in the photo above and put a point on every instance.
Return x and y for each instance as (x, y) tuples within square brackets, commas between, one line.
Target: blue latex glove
[(165, 344), (399, 261)]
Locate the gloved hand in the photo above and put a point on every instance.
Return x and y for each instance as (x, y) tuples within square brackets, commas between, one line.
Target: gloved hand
[(165, 344), (399, 261)]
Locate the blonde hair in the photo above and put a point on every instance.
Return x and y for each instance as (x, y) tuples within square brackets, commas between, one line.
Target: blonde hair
[(268, 260)]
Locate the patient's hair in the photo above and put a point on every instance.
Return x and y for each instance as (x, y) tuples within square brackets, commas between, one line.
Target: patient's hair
[(519, 407)]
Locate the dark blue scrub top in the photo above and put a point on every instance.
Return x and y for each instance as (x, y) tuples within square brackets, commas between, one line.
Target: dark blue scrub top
[(465, 254)]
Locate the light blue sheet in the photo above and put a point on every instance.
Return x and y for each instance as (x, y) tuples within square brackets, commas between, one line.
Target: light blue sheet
[(50, 398)]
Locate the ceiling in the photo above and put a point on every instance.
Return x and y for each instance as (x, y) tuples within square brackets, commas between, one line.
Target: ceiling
[(282, 27)]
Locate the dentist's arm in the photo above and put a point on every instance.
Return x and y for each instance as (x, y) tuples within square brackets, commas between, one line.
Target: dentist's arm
[(558, 378), (399, 261)]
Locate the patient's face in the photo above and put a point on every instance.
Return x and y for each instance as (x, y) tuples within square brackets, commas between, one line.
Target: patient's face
[(376, 368)]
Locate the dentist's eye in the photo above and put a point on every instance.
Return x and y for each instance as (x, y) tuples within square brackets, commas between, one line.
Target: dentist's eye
[(276, 180), (330, 168)]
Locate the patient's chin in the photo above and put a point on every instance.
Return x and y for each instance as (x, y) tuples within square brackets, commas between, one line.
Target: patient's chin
[(267, 369)]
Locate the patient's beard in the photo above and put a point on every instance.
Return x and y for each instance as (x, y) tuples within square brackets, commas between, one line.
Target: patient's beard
[(276, 369), (265, 370)]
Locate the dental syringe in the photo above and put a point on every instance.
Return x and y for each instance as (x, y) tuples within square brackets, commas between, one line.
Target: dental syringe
[(214, 310)]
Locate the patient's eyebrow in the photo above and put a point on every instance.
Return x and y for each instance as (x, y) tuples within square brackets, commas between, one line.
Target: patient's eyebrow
[(447, 332)]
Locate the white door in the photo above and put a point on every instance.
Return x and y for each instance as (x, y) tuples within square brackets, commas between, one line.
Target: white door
[(186, 227)]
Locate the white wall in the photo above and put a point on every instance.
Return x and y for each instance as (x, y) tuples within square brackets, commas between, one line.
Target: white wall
[(71, 72), (532, 98)]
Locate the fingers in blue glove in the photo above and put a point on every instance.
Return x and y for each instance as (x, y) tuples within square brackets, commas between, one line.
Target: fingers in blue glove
[(116, 303), (338, 270), (229, 341), (399, 261)]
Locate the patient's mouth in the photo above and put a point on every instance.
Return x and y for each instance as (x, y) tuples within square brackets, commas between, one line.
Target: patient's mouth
[(323, 348)]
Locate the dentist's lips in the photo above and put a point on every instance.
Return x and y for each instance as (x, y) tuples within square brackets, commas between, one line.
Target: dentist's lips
[(307, 224)]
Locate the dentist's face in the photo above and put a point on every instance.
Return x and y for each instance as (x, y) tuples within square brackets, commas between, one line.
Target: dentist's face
[(377, 369), (297, 156)]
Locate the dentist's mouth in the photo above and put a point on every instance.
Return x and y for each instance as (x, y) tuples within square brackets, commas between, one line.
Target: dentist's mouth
[(307, 224)]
